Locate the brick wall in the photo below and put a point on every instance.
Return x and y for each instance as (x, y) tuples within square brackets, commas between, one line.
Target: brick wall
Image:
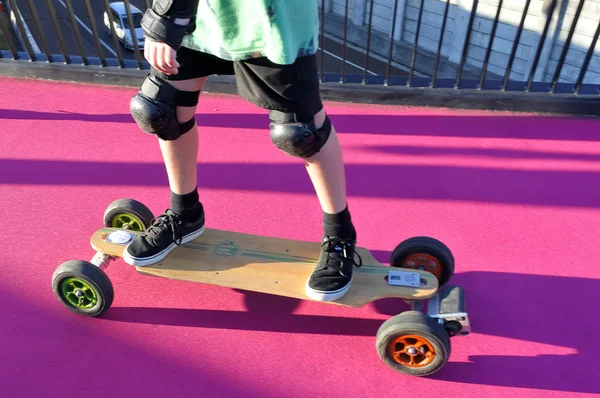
[(431, 24), (506, 31), (510, 17), (580, 43)]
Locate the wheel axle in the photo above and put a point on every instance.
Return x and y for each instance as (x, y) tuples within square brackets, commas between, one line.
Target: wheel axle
[(102, 260)]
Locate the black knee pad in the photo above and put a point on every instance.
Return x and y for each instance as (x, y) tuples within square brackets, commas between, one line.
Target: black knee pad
[(154, 108), (298, 136)]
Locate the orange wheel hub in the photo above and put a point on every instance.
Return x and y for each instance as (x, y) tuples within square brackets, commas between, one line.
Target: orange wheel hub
[(423, 262), (412, 351)]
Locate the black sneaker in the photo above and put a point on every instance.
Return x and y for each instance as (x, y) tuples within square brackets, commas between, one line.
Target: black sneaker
[(166, 232), (332, 276)]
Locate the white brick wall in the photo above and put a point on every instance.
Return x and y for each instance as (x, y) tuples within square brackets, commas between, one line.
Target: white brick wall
[(580, 43), (431, 24), (339, 7), (382, 15), (509, 20)]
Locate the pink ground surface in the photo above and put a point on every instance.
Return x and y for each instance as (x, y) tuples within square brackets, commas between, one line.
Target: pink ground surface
[(516, 197)]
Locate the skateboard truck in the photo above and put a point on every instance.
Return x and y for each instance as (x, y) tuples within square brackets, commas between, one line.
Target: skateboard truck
[(102, 260), (447, 307)]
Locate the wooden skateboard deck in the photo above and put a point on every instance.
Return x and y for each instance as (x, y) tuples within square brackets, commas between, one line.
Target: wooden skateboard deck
[(268, 265)]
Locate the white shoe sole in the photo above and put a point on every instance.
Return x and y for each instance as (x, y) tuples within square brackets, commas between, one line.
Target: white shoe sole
[(141, 262), (329, 295)]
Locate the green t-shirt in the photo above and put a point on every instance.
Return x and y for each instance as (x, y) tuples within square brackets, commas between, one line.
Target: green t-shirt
[(281, 30)]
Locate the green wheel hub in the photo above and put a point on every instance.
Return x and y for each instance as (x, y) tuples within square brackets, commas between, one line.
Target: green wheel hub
[(79, 293), (122, 220)]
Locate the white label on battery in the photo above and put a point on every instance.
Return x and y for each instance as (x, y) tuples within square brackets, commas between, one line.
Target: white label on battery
[(403, 278)]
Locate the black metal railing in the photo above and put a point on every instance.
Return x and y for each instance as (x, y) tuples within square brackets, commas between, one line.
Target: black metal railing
[(362, 42)]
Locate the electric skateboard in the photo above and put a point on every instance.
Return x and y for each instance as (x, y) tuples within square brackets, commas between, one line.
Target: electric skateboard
[(414, 342)]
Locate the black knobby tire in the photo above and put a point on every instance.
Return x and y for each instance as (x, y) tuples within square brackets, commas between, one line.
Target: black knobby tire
[(76, 274), (412, 327), (122, 210), (423, 245)]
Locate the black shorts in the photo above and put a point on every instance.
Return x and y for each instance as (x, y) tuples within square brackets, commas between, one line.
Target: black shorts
[(290, 88)]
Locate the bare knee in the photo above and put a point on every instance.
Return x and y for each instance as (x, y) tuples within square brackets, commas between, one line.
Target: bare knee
[(320, 118), (185, 113)]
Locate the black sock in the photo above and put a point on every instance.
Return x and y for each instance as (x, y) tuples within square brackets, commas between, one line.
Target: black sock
[(187, 206), (339, 224)]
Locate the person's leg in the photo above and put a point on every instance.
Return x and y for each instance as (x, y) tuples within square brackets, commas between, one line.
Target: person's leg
[(184, 221), (301, 128), (332, 276), (326, 171), (180, 155), (166, 106)]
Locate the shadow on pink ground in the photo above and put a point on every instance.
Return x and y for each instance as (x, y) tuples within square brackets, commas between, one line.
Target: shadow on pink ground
[(526, 127), (577, 188), (530, 302), (522, 307), (65, 354)]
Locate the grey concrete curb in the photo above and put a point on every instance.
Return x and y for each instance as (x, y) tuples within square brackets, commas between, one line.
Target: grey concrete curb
[(351, 93)]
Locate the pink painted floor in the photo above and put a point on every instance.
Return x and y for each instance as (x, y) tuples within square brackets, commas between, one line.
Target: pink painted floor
[(516, 197)]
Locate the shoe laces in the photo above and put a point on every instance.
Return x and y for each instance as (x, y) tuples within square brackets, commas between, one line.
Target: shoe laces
[(167, 219), (331, 244)]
